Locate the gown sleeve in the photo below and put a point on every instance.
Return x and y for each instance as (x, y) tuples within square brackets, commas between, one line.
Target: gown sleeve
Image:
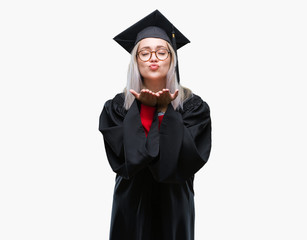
[(185, 142), (127, 148), (174, 152)]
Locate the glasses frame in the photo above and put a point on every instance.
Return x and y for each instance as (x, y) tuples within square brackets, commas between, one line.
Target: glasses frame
[(168, 53)]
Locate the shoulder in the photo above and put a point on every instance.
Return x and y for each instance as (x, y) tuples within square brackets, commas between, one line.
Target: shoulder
[(195, 102), (119, 98), (116, 104), (195, 111)]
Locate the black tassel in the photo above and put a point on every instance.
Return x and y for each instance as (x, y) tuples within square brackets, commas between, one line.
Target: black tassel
[(175, 49)]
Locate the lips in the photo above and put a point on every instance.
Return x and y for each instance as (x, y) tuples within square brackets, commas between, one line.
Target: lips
[(154, 66)]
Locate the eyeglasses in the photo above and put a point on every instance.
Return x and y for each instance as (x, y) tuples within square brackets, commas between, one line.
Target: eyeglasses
[(161, 54)]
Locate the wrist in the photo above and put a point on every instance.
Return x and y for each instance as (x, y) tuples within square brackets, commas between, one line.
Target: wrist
[(161, 108)]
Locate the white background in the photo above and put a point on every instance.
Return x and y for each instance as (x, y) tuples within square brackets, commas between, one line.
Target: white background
[(59, 64)]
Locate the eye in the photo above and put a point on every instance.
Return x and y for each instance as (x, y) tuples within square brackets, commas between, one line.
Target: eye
[(144, 53), (162, 52)]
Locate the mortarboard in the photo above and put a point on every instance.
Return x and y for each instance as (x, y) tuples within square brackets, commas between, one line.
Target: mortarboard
[(153, 25)]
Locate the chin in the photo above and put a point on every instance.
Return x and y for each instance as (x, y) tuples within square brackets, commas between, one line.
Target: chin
[(156, 75)]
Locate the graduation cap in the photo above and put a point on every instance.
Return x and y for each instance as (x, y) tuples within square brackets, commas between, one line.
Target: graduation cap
[(154, 25)]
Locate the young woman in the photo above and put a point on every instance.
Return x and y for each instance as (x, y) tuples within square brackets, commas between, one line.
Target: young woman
[(157, 135)]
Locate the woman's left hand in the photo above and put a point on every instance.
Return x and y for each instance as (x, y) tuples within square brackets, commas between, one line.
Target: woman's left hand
[(164, 98)]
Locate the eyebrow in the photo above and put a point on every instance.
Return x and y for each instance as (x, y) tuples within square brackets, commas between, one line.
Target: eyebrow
[(159, 46)]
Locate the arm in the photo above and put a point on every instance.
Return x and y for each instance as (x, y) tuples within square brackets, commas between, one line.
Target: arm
[(185, 142), (127, 148)]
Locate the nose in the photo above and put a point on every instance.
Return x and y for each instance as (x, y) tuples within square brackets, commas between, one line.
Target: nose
[(153, 57)]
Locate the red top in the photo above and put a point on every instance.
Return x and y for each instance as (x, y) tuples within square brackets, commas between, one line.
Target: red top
[(147, 114)]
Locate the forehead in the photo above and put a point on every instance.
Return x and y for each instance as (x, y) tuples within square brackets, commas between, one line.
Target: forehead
[(152, 43)]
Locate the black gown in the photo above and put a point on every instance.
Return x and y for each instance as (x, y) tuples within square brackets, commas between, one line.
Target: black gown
[(153, 196)]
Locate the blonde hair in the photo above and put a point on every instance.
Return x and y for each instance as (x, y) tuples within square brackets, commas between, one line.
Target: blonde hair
[(134, 80)]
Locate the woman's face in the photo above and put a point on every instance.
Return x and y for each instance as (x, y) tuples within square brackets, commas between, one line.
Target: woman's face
[(154, 69)]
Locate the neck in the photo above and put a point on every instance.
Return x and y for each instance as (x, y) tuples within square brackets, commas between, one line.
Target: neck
[(154, 85)]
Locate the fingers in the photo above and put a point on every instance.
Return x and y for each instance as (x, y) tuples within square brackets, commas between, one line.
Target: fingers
[(144, 92), (163, 92), (158, 93), (135, 94), (166, 92), (148, 97), (147, 93)]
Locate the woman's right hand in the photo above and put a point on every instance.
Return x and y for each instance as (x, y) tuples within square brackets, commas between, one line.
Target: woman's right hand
[(146, 97)]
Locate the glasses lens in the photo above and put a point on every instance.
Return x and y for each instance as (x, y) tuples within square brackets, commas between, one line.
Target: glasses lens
[(162, 54), (144, 55)]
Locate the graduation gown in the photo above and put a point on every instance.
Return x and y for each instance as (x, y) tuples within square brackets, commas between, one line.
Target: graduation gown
[(153, 196)]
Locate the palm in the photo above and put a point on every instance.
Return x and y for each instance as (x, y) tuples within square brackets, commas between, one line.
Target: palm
[(164, 97), (146, 97), (161, 98)]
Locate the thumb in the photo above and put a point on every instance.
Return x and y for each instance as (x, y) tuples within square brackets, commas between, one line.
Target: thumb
[(175, 94), (134, 93)]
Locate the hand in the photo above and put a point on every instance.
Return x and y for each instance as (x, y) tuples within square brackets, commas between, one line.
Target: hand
[(146, 97), (164, 98)]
